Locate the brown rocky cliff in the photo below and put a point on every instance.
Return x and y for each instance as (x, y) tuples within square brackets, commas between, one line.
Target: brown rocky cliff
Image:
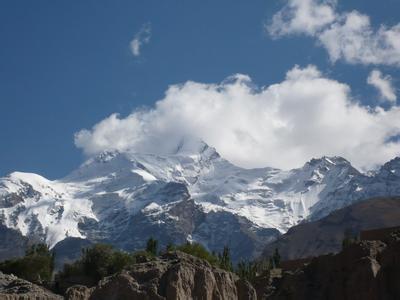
[(368, 270), (172, 276)]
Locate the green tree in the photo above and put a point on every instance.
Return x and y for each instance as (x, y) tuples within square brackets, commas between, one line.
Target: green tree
[(37, 265), (225, 259), (152, 246), (246, 270), (96, 260), (95, 263), (271, 262), (277, 258), (349, 237), (119, 261), (170, 247)]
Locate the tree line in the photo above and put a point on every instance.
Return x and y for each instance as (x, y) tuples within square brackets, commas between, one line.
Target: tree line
[(101, 260)]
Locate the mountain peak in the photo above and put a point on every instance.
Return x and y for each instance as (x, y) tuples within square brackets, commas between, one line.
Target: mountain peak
[(193, 146), (392, 166), (328, 161), (106, 156)]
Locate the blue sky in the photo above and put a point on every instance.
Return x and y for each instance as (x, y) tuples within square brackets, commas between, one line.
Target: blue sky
[(66, 65)]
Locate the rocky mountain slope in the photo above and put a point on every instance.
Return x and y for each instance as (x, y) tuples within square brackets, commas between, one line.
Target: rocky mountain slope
[(326, 235), (192, 194)]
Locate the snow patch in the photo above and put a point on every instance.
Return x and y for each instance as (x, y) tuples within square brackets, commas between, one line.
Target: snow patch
[(145, 175)]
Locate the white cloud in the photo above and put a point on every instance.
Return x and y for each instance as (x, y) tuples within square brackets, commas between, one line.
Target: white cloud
[(302, 16), (348, 36), (141, 37), (353, 39), (383, 84), (283, 125)]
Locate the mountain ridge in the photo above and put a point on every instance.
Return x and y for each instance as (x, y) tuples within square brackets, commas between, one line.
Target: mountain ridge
[(116, 193), (326, 235)]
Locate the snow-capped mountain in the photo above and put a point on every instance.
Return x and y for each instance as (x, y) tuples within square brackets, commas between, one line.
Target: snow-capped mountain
[(191, 194)]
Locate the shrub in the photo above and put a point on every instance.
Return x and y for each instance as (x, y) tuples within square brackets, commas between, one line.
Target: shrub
[(142, 256), (170, 247), (199, 251)]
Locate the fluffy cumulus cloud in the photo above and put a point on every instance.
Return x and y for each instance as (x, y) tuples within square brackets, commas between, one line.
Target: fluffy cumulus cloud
[(282, 125), (141, 37), (383, 84), (348, 36)]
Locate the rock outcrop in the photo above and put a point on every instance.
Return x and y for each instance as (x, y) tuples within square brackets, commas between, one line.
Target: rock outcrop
[(172, 276), (368, 270), (14, 288)]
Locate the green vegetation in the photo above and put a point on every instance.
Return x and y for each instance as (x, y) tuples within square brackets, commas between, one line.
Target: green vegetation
[(36, 266), (249, 270), (275, 259), (197, 250), (225, 259), (95, 263), (350, 237), (101, 260), (221, 260), (152, 246)]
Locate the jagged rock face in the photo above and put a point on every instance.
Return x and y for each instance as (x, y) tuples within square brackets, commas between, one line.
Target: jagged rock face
[(14, 288), (192, 194), (186, 220), (326, 235), (366, 270), (173, 276)]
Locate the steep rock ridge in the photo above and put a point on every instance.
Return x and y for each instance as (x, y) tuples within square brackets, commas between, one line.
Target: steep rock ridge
[(191, 194), (177, 276), (326, 235)]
